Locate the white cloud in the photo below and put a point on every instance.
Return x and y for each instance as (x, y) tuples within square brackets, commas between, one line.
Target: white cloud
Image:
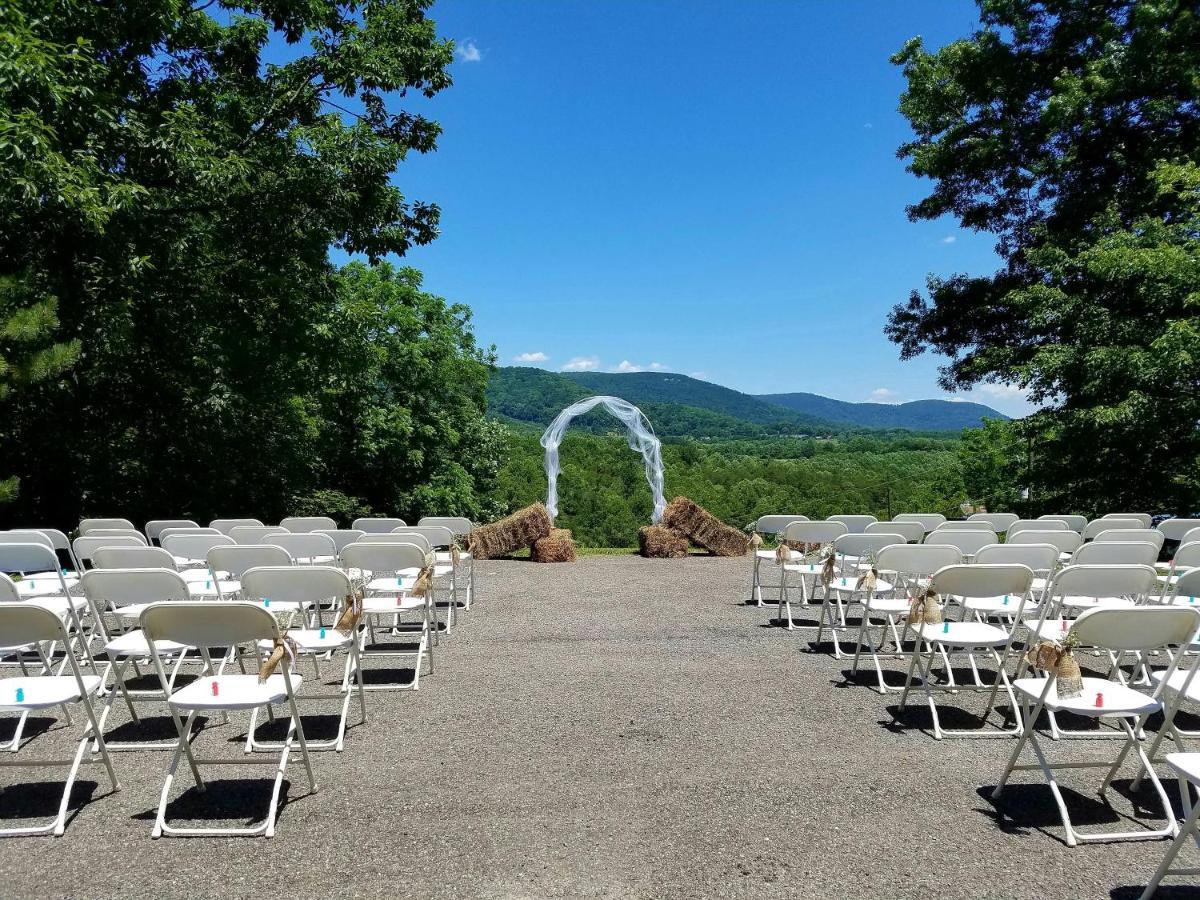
[(535, 357), (868, 125), (468, 51), (626, 366), (698, 375), (950, 239), (1003, 391), (582, 364), (882, 395), (656, 367)]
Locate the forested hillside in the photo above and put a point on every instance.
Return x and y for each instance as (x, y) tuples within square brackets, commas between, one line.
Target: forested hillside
[(921, 415)]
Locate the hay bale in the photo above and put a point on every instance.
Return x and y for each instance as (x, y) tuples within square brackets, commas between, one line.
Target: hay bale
[(705, 529), (661, 542), (556, 547), (519, 530)]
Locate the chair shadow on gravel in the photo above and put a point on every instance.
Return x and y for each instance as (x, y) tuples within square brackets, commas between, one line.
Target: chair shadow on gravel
[(35, 726), (232, 802), (37, 801), (317, 726), (151, 728), (915, 717), (1164, 892)]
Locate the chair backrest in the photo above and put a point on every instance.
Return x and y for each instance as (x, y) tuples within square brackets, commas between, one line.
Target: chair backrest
[(341, 536), (965, 525), (154, 528), (969, 542), (1189, 537), (815, 532), (998, 521), (126, 587), (772, 524), (383, 557), (1096, 526), (202, 624), (990, 580), (132, 558), (30, 557), (304, 524), (27, 623), (1188, 585), (184, 529), (912, 531), (88, 525), (1176, 529), (1074, 522), (397, 537), (863, 544), (1035, 525), (928, 521), (1139, 628), (304, 546), (225, 525), (1065, 541), (1121, 535), (917, 559), (854, 524), (239, 558), (380, 525), (25, 537), (255, 534), (460, 525), (437, 535), (295, 584), (58, 539), (1104, 581), (1115, 553), (118, 532), (194, 546), (84, 547), (1187, 556), (1039, 557), (1145, 519)]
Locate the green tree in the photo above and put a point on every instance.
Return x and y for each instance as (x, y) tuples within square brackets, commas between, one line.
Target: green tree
[(1071, 131), (178, 196)]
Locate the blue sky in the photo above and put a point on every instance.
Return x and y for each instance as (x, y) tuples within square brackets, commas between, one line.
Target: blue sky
[(709, 188)]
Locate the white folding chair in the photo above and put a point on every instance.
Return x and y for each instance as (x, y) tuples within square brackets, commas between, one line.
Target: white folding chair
[(23, 624), (1134, 630), (377, 525), (1033, 525), (185, 529), (1186, 767), (928, 521), (1186, 559), (907, 567), (44, 584), (84, 547), (815, 534), (199, 581), (441, 543), (61, 544), (306, 548), (1127, 535), (393, 571), (856, 555), (1145, 519), (88, 525), (914, 532), (128, 591), (1041, 558), (1074, 522), (461, 527), (997, 521), (855, 524), (1096, 526), (961, 525), (1176, 529), (255, 534), (118, 532), (302, 524), (226, 525), (227, 564), (767, 526), (206, 624), (969, 542), (341, 537), (310, 586), (48, 582), (969, 636), (155, 527), (191, 550)]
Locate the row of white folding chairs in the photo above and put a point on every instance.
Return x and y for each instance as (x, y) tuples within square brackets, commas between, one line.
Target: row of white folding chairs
[(155, 528)]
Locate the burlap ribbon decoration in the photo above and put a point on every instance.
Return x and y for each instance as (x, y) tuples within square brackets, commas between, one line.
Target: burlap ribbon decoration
[(827, 569), (1051, 656), (455, 554), (756, 541), (783, 553), (924, 609), (284, 646), (351, 612), (867, 580), (423, 583)]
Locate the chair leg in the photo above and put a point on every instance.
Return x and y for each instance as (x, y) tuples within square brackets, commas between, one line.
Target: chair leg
[(1164, 867)]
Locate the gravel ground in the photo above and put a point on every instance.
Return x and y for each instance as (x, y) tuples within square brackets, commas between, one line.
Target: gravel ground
[(616, 727)]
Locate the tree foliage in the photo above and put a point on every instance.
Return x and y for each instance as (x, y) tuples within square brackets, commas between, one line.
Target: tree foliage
[(168, 201), (1071, 131)]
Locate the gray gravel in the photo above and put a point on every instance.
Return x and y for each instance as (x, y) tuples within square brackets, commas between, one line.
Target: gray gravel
[(616, 727)]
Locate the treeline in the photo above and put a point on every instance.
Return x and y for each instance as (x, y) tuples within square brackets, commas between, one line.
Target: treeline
[(604, 498)]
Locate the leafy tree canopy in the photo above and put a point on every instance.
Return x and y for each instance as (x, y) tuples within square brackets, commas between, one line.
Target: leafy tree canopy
[(1071, 131)]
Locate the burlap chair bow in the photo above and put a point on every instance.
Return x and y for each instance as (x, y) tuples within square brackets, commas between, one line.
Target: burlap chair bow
[(783, 554), (867, 580), (924, 609), (1056, 657), (352, 611), (284, 646), (424, 581), (828, 566), (756, 541)]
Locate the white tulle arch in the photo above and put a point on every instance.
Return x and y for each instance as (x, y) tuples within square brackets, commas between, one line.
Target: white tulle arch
[(641, 439)]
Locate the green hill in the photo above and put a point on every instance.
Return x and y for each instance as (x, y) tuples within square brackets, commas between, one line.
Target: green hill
[(919, 415)]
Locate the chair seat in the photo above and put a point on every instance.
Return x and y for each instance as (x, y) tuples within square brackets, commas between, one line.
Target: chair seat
[(806, 568), (887, 605), (964, 634), (44, 584), (60, 605), (40, 692), (391, 583), (1005, 603), (316, 560), (443, 556), (1185, 764), (309, 640), (1119, 700), (1096, 602), (390, 603), (1176, 681), (848, 586), (209, 588), (1050, 630), (134, 643), (1181, 600), (233, 692)]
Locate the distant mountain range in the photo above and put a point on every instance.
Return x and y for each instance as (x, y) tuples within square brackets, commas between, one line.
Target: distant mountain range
[(681, 406)]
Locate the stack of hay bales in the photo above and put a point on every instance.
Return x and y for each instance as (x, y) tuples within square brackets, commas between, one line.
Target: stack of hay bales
[(529, 527), (685, 521)]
